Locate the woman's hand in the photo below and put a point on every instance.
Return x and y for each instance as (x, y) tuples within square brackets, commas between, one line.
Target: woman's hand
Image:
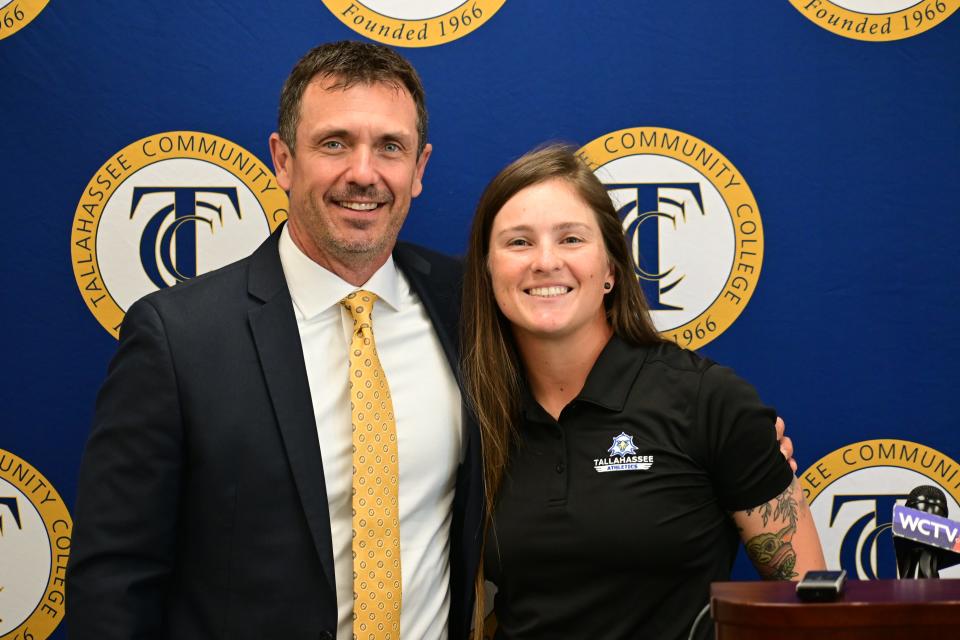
[(786, 444)]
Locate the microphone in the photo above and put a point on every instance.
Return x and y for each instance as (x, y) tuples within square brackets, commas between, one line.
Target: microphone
[(924, 539)]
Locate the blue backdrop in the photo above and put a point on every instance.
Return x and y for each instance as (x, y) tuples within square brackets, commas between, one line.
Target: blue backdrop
[(850, 148)]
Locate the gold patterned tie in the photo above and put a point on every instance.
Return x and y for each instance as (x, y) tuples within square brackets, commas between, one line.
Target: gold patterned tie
[(376, 482)]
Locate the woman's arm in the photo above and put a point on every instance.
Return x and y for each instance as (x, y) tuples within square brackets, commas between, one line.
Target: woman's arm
[(780, 536)]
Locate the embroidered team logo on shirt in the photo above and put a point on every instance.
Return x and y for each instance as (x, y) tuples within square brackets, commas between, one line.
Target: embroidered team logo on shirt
[(623, 456)]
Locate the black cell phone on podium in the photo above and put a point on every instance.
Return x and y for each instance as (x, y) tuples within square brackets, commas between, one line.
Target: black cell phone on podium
[(821, 586)]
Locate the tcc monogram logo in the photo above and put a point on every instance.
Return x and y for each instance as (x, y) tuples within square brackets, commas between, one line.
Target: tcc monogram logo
[(150, 218), (875, 557), (656, 278), (692, 224), (176, 247)]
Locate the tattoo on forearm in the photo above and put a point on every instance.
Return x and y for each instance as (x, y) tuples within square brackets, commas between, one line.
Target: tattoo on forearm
[(772, 553)]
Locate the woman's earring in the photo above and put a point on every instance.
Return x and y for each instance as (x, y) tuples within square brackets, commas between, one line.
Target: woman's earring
[(607, 286)]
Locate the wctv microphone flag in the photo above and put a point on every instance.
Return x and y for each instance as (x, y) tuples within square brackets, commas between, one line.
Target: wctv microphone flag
[(934, 531)]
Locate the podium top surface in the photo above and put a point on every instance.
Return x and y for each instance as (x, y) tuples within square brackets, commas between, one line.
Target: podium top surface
[(871, 602)]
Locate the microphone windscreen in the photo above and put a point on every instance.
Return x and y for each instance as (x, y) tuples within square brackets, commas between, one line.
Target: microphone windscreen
[(928, 499)]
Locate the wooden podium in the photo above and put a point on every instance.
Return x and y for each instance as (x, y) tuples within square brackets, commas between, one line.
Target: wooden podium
[(871, 610)]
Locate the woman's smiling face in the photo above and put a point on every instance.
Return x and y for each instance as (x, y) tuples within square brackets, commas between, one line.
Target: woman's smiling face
[(548, 263)]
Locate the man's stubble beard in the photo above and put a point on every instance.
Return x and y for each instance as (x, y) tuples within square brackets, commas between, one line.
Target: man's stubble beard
[(355, 253)]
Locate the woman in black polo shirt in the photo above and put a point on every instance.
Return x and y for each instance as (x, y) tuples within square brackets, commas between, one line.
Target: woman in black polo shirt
[(622, 471)]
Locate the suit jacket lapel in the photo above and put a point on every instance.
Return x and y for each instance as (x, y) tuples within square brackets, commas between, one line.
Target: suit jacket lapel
[(440, 295), (277, 340)]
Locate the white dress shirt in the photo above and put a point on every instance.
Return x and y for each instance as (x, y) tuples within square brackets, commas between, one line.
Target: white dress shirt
[(426, 403)]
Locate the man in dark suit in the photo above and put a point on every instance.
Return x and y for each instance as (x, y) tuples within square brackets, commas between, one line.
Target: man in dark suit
[(215, 496)]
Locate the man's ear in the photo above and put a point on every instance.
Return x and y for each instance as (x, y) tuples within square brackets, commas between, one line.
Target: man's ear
[(421, 167), (282, 161)]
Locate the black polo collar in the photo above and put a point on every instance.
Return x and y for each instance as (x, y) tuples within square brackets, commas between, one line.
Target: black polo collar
[(609, 382), (611, 379)]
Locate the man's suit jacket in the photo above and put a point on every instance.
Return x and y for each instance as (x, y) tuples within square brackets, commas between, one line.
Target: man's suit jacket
[(201, 508)]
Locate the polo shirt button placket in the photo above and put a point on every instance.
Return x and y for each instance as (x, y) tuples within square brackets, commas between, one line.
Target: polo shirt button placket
[(560, 467)]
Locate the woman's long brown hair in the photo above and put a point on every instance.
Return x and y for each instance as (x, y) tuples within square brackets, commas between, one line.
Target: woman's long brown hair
[(492, 368)]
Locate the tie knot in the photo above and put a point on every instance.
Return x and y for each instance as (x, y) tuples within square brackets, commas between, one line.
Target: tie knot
[(360, 306)]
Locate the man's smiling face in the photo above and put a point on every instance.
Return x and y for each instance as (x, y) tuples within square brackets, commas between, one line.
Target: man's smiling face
[(354, 171)]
